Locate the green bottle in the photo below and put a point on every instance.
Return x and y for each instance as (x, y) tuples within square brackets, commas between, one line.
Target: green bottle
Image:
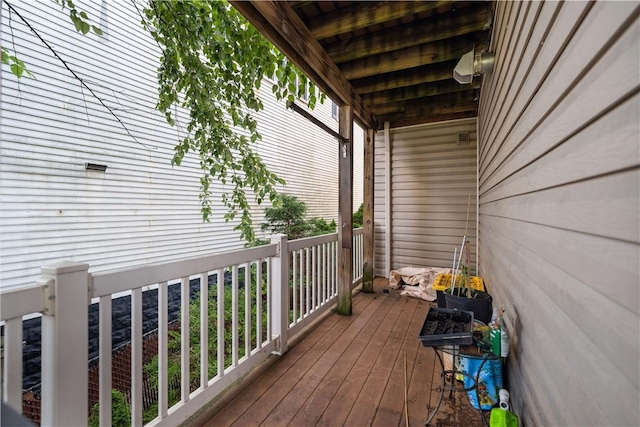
[(495, 341), (494, 334)]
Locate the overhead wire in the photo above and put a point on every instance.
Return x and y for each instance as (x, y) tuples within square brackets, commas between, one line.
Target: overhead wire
[(83, 84)]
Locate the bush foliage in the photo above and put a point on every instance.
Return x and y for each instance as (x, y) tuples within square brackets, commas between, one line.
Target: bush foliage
[(120, 411), (287, 216)]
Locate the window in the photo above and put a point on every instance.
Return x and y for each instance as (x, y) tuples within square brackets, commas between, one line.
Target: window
[(334, 110)]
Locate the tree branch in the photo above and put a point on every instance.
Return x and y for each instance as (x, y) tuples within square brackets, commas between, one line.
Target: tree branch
[(12, 9)]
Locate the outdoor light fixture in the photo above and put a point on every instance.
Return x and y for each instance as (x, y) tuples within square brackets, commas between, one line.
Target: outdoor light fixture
[(95, 167), (473, 64)]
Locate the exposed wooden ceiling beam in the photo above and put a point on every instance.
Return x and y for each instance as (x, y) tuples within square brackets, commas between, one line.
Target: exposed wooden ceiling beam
[(428, 112), (418, 91), (415, 56), (432, 119), (281, 25), (467, 20), (246, 9), (299, 4), (415, 76), (365, 14), (441, 101)]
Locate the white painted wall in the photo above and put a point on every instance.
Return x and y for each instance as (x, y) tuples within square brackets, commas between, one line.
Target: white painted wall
[(431, 180), (141, 210), (559, 233), (358, 166)]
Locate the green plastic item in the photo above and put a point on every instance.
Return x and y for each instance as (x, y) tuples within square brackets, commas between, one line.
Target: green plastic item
[(494, 341), (501, 418)]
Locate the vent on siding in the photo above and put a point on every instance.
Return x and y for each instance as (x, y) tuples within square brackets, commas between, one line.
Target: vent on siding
[(95, 167), (463, 138)]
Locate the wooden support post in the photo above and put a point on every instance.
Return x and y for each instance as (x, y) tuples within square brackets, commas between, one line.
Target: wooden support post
[(387, 199), (369, 240), (345, 210)]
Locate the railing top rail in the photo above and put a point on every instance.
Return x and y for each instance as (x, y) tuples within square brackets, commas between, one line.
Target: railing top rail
[(307, 242), (110, 282), (358, 231), (22, 300)]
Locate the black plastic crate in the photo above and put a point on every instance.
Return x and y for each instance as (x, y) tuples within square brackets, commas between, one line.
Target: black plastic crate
[(446, 326)]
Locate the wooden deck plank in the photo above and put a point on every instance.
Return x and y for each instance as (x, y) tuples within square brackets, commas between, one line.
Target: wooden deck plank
[(368, 401), (296, 400), (390, 411), (317, 403), (238, 406), (350, 371), (269, 400), (423, 374), (338, 410)]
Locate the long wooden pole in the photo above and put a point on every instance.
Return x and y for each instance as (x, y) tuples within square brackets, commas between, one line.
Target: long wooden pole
[(368, 196), (345, 210)]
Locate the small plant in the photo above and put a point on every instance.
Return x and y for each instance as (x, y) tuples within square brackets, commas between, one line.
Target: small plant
[(320, 226), (257, 242), (463, 278), (174, 342), (286, 216), (358, 217), (120, 411)]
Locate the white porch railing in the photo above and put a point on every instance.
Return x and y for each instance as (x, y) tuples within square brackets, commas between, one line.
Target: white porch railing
[(238, 325), (358, 254)]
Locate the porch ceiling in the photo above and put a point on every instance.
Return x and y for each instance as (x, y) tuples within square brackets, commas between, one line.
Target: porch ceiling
[(392, 61)]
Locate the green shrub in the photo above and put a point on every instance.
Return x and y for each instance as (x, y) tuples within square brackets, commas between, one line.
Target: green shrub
[(358, 216), (286, 216), (174, 338), (120, 411), (320, 226)]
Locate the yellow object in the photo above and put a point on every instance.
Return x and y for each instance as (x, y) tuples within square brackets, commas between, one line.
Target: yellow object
[(443, 282)]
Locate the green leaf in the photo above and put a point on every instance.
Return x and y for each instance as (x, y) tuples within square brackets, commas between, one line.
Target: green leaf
[(83, 14), (77, 22), (215, 60), (16, 69), (96, 30)]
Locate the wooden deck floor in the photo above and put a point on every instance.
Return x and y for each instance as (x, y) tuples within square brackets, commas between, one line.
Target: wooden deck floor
[(350, 370)]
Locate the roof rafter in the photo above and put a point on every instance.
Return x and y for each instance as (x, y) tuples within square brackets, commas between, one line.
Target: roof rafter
[(468, 20), (283, 27), (361, 15), (423, 113), (415, 56), (418, 91), (449, 100), (404, 121), (418, 75)]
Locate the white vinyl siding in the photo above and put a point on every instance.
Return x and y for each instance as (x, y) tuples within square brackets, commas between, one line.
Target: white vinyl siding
[(559, 232), (432, 180), (358, 166), (141, 210), (379, 205)]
